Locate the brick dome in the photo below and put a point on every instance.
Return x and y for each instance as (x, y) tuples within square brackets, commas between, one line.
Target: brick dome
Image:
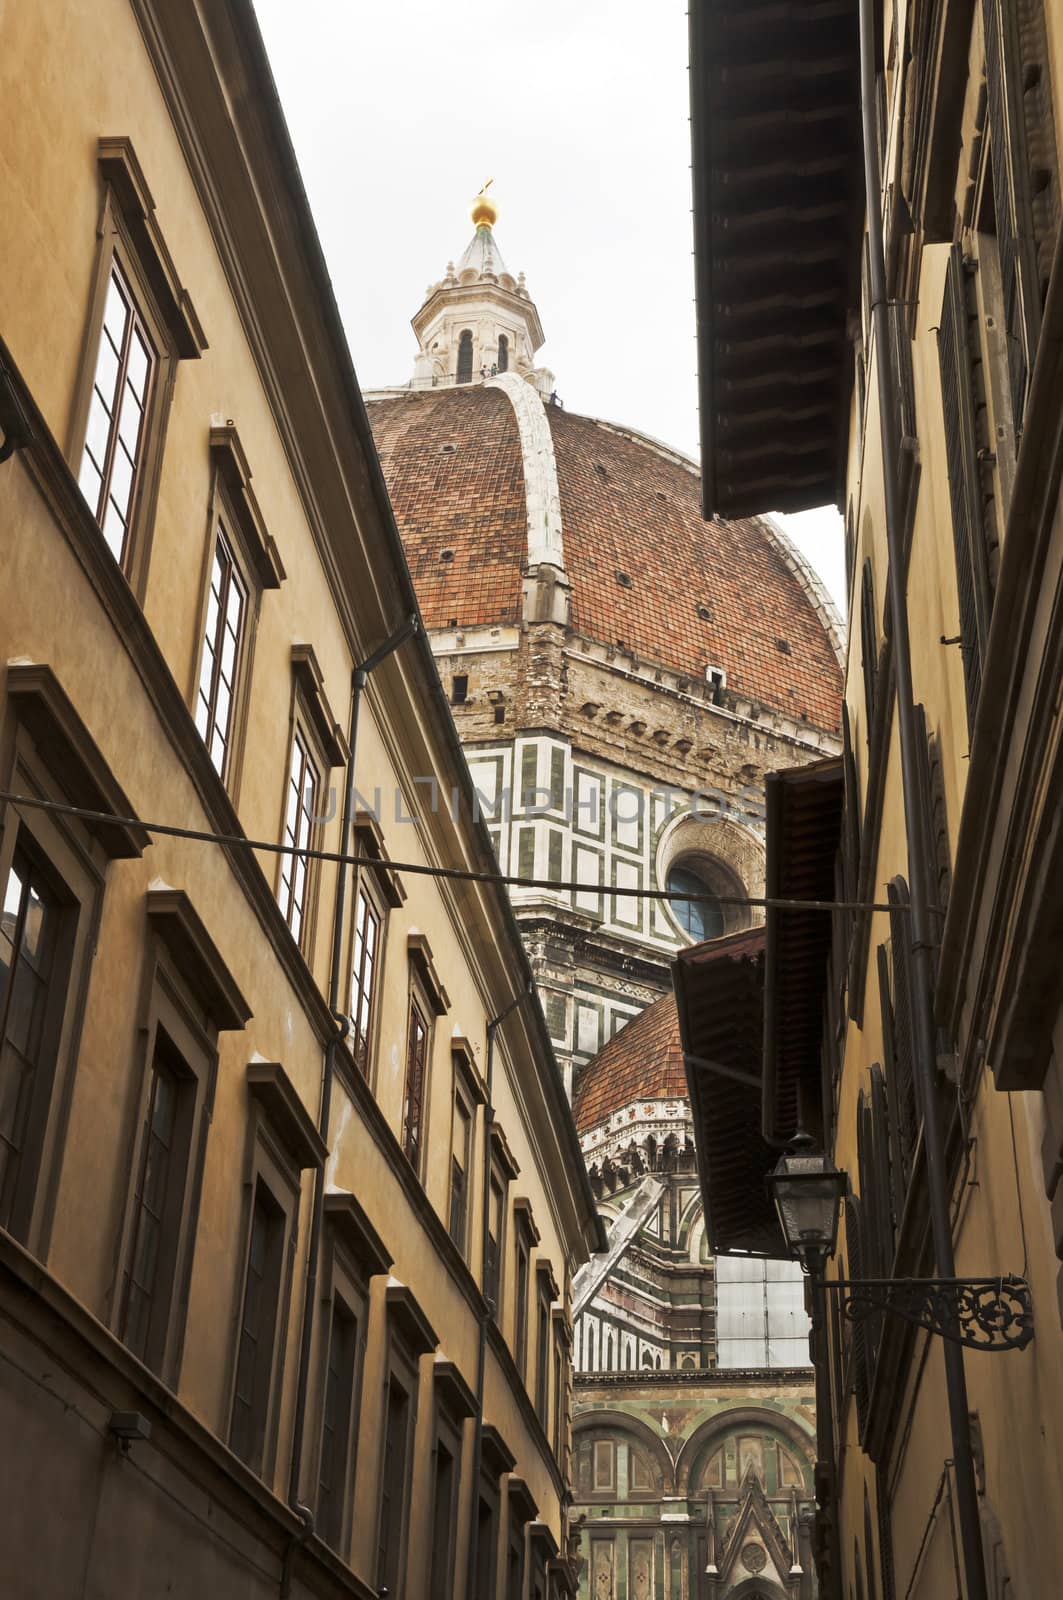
[(648, 574), (644, 1061)]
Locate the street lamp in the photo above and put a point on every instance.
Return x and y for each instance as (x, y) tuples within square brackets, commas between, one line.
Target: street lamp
[(808, 1191), (983, 1313)]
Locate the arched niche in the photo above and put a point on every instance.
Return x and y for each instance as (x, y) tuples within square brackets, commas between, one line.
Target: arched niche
[(700, 1447), (618, 1426)]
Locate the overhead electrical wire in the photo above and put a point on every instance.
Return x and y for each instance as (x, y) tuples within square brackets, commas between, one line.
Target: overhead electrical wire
[(385, 864)]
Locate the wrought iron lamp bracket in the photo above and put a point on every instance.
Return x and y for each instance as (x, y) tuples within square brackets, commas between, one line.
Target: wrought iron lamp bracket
[(981, 1313)]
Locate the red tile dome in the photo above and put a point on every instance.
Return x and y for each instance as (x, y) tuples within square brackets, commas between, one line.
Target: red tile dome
[(644, 1061), (648, 573)]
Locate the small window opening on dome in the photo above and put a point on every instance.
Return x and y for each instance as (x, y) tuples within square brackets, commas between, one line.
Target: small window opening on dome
[(600, 470), (452, 622), (503, 353), (459, 688), (447, 449), (446, 555), (783, 646), (700, 917), (705, 612), (465, 356), (624, 580)]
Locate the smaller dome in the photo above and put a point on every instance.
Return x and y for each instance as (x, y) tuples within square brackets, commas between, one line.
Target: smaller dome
[(644, 1061)]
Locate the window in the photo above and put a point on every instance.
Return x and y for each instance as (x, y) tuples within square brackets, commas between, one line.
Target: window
[(443, 1508), (544, 1295), (700, 918), (869, 642), (459, 688), (503, 353), (526, 1236), (116, 429), (368, 923), (454, 1404), (486, 1545), (465, 357), (317, 746), (495, 1220), (520, 1314), (301, 811), (353, 1253), (336, 1422), (254, 1367), (156, 1204), (390, 1539), (32, 993), (413, 1111), (223, 645), (963, 403), (460, 1165), (561, 1368), (190, 996), (141, 323)]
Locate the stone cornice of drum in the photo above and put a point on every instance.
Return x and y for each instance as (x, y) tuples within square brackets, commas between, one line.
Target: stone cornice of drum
[(637, 669), (542, 495)]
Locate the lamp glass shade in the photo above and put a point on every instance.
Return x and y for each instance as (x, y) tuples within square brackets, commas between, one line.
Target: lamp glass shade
[(808, 1190)]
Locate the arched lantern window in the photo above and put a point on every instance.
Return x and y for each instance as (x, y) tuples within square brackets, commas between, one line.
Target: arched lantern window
[(503, 353), (465, 357)]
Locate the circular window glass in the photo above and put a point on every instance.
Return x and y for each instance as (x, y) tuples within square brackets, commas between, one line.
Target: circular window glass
[(700, 918)]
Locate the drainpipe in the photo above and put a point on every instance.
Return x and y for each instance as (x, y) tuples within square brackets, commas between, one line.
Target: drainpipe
[(490, 1306), (921, 930), (359, 679)]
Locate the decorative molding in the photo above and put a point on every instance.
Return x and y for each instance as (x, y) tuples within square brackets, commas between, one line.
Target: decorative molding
[(311, 681), (68, 749), (419, 953), (175, 919), (270, 1085), (344, 1213), (231, 461), (122, 171), (413, 1327), (541, 493)]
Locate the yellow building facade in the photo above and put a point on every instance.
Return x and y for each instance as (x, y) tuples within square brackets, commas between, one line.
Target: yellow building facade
[(965, 128), (290, 1192)]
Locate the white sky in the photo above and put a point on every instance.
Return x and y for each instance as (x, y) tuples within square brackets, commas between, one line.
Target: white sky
[(578, 109)]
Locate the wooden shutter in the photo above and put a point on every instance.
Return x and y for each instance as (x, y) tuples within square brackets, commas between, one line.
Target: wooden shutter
[(1011, 193), (965, 485), (900, 1092), (868, 642), (854, 1244)]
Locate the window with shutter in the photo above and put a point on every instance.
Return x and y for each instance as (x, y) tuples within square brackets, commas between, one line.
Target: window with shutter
[(859, 1341), (869, 643), (959, 392), (1025, 185)]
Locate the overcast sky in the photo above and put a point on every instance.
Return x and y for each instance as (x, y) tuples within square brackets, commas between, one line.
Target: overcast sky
[(578, 109)]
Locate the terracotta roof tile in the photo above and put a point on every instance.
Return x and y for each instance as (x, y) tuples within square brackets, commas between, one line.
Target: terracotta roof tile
[(467, 499), (644, 1061), (626, 507)]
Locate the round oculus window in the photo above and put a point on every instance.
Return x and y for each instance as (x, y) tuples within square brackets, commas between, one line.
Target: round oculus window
[(700, 917)]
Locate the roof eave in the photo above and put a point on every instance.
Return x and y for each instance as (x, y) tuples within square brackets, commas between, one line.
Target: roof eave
[(789, 468)]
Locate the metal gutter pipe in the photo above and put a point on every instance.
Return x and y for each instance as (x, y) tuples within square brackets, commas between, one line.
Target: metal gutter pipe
[(920, 922)]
